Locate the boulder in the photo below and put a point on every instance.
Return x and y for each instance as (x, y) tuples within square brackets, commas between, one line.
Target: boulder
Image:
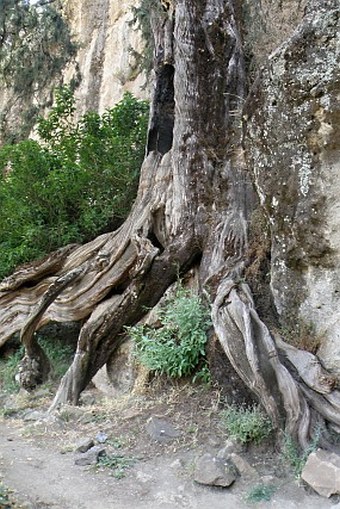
[(101, 437), (214, 471), (322, 472), (34, 415), (243, 466), (119, 374)]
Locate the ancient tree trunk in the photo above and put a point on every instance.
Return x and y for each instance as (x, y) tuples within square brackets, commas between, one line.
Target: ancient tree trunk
[(193, 209)]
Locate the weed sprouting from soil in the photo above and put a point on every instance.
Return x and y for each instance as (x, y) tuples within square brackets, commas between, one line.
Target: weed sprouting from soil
[(260, 493), (117, 463), (296, 457), (246, 424)]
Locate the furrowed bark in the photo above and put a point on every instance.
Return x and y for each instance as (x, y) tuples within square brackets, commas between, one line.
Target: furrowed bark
[(193, 208)]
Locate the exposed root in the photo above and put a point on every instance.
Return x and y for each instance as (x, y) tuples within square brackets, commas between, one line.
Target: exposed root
[(288, 395)]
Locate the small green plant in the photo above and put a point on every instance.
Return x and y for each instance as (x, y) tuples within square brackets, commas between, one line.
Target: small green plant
[(117, 463), (117, 442), (5, 502), (203, 375), (177, 347), (246, 424), (260, 493), (295, 456), (8, 369)]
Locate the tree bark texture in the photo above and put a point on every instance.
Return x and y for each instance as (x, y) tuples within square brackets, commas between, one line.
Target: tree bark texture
[(194, 206)]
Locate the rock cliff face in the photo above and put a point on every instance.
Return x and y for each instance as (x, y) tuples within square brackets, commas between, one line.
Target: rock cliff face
[(106, 65), (295, 147)]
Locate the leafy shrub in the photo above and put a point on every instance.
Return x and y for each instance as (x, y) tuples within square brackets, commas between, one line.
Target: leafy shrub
[(203, 375), (177, 347), (59, 354), (246, 424), (78, 181), (5, 499), (36, 35)]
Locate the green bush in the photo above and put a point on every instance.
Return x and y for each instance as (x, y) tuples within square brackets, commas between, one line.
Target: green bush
[(59, 354), (77, 182), (178, 346), (246, 424), (142, 15), (36, 36)]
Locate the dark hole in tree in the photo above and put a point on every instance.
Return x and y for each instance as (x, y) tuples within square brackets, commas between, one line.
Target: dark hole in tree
[(155, 241), (162, 122)]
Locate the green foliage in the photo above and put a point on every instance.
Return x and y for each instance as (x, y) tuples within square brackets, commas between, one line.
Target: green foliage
[(177, 347), (295, 456), (78, 181), (8, 370), (59, 354), (5, 502), (142, 19), (203, 375), (34, 35), (35, 45), (246, 424), (260, 493), (117, 463)]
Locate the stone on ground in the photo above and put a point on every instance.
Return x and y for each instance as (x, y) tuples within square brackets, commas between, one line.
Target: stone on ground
[(322, 472), (243, 466), (161, 431), (90, 457), (214, 471), (84, 445)]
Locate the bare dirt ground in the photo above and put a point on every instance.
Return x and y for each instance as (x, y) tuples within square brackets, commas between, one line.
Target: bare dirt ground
[(37, 455)]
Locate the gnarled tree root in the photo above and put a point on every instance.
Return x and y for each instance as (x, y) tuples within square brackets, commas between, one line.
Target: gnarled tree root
[(192, 208)]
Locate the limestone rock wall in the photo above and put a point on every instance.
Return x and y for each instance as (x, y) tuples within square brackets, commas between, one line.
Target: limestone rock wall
[(294, 142), (106, 65)]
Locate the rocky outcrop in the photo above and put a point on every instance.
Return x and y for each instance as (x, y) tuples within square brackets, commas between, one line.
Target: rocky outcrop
[(103, 66), (106, 64), (295, 151)]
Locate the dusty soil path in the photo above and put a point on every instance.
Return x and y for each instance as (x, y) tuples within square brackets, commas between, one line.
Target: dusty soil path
[(44, 478)]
